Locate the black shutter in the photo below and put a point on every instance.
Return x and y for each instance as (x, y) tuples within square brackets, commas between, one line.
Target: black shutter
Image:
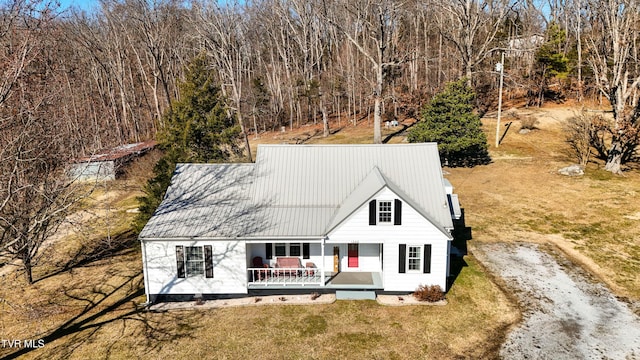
[(305, 250), (180, 260), (372, 212), (402, 258), (426, 268), (397, 214), (208, 261), (268, 251)]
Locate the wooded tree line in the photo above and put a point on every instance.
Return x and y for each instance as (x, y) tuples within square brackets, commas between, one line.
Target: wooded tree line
[(291, 62)]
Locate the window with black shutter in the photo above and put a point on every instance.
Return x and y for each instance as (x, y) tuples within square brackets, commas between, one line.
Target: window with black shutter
[(426, 267), (372, 212), (208, 261), (180, 260), (414, 258), (397, 213), (268, 251), (194, 260), (385, 212), (402, 258), (280, 249), (294, 249), (305, 251)]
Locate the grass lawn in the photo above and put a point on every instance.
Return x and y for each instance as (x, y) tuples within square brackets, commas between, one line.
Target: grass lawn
[(594, 219), (90, 311)]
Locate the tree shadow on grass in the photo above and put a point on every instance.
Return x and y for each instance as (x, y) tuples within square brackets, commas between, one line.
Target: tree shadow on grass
[(128, 322), (468, 157), (92, 252), (107, 302)]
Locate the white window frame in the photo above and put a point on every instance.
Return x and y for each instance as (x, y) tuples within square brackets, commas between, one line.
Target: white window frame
[(299, 245), (190, 264), (275, 247), (379, 212), (287, 249), (419, 258)]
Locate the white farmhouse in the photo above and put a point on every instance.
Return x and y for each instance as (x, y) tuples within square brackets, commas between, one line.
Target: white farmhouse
[(316, 218)]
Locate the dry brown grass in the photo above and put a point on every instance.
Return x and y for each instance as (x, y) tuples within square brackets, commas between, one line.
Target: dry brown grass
[(341, 133), (521, 197), (91, 312)]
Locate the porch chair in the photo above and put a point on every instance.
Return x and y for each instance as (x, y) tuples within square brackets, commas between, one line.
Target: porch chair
[(290, 266), (311, 268), (260, 274)]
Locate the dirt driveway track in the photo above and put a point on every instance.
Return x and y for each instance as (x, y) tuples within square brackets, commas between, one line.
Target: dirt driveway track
[(566, 315)]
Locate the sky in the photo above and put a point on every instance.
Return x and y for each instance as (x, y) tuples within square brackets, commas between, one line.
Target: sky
[(86, 5)]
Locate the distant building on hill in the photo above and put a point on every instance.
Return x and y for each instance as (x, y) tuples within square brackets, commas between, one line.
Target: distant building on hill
[(108, 164), (525, 44)]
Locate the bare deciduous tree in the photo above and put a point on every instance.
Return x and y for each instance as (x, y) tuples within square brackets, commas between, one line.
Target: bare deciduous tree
[(471, 26), (613, 45), (373, 27), (35, 193)]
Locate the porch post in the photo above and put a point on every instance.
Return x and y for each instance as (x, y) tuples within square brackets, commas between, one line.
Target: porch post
[(323, 261)]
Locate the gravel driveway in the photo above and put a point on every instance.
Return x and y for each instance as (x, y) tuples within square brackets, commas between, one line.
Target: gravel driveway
[(566, 316)]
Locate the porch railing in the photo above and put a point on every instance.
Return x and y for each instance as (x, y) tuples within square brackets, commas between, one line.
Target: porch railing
[(284, 276)]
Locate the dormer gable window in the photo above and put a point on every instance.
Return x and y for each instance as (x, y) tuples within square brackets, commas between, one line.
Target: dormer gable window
[(385, 212)]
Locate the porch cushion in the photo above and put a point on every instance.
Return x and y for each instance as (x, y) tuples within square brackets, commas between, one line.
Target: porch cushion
[(288, 262)]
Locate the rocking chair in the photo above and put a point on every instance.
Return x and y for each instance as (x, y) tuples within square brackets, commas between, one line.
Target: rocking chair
[(260, 274)]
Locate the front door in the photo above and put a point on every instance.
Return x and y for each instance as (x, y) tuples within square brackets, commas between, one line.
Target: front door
[(352, 256)]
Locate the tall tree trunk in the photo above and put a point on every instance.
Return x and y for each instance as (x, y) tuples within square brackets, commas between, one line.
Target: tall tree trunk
[(377, 114), (28, 268), (579, 47), (614, 158), (325, 119), (244, 134)]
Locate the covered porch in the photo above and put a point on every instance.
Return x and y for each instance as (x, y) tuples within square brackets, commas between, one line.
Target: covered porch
[(314, 264), (260, 278)]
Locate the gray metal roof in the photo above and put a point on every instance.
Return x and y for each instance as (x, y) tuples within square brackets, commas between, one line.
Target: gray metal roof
[(298, 190), (204, 200)]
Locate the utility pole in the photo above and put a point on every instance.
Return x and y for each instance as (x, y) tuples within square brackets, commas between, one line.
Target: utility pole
[(499, 67)]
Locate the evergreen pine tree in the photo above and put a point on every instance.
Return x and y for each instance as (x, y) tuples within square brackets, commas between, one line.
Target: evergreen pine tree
[(450, 121), (196, 129)]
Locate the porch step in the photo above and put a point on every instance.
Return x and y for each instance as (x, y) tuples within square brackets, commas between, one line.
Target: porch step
[(355, 295)]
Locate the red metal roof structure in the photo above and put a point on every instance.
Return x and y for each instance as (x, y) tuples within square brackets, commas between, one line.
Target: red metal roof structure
[(122, 152)]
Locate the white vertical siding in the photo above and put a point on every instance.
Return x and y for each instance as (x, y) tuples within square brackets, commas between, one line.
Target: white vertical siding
[(409, 281), (254, 250), (229, 269), (315, 255), (368, 257), (357, 228), (415, 230)]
